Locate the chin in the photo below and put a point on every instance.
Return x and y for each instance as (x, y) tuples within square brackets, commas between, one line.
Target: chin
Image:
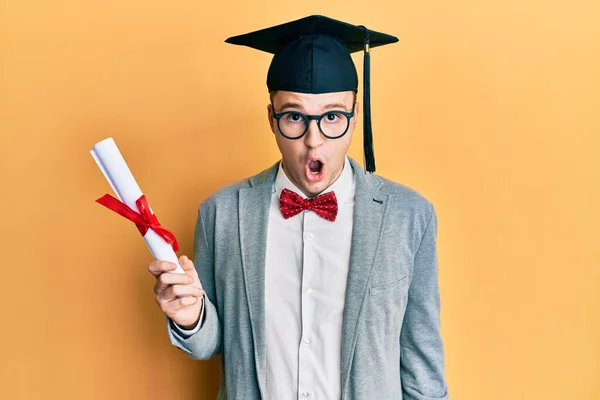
[(314, 188)]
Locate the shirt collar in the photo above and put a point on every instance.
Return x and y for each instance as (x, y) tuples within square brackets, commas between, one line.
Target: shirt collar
[(342, 186)]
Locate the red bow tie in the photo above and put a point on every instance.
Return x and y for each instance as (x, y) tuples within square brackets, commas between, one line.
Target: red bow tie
[(325, 205)]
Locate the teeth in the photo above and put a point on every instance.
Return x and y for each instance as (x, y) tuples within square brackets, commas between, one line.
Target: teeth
[(315, 167)]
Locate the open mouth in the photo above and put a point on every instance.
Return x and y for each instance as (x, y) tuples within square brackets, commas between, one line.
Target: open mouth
[(314, 170), (315, 166)]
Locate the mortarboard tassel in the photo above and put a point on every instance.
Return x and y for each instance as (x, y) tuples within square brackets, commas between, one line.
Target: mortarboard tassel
[(367, 128)]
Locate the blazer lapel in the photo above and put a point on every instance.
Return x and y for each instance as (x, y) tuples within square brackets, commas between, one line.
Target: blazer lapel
[(370, 205), (254, 204)]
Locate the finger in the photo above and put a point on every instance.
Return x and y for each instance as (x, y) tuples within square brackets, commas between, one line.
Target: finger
[(175, 305), (188, 267), (158, 267), (180, 291), (166, 279)]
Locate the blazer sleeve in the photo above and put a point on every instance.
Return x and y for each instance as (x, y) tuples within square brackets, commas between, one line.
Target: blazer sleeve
[(206, 341), (421, 347)]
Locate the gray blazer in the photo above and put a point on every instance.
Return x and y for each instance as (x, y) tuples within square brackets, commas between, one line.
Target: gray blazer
[(391, 344)]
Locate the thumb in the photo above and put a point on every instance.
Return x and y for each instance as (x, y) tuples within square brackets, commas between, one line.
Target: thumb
[(188, 266)]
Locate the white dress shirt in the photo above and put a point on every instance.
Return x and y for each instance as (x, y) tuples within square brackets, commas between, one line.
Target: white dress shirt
[(306, 270)]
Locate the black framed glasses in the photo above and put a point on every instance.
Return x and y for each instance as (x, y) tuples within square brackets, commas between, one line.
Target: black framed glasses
[(332, 124)]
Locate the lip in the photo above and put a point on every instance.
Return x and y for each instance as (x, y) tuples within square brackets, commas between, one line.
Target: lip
[(314, 178)]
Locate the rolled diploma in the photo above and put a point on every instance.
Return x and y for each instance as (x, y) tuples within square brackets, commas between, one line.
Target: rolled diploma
[(119, 176)]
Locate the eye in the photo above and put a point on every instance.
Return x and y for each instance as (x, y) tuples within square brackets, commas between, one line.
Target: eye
[(294, 117), (332, 117)]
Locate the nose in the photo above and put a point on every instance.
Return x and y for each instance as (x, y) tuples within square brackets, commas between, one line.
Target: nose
[(313, 137)]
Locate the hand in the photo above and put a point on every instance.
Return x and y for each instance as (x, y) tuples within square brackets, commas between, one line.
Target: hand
[(179, 296)]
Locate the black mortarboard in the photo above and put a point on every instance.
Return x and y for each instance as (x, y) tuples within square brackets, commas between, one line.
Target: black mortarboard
[(312, 55)]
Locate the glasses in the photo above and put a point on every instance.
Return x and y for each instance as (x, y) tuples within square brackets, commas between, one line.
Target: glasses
[(332, 124)]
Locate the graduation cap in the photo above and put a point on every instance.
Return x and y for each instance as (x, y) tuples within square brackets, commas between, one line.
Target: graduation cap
[(312, 55)]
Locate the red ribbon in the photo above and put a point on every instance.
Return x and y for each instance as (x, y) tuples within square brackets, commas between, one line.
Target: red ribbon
[(144, 220)]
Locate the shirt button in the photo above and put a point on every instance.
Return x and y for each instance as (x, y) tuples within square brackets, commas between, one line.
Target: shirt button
[(307, 291), (306, 342), (308, 236), (305, 395)]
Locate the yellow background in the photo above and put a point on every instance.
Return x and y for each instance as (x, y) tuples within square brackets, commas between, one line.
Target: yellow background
[(488, 108)]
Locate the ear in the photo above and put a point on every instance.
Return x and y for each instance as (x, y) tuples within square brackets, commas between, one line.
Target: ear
[(356, 113), (270, 117)]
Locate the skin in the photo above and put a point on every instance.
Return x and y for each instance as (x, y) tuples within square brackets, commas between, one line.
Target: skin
[(296, 154), (179, 296)]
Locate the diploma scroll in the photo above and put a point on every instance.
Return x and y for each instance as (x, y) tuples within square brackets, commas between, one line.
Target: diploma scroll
[(117, 173)]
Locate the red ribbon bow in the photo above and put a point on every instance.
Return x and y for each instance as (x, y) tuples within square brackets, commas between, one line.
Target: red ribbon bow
[(144, 220), (325, 205)]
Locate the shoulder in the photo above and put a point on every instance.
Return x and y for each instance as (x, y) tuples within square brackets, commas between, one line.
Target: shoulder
[(402, 195), (405, 196), (410, 213), (407, 205), (228, 195), (404, 200)]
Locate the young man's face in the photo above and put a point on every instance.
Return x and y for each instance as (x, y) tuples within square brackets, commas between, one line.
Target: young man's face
[(313, 162)]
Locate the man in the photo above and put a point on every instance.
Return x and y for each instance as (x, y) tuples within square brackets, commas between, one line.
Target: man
[(313, 279)]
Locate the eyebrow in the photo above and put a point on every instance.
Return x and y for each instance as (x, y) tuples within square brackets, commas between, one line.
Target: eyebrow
[(336, 105), (290, 105), (327, 107)]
